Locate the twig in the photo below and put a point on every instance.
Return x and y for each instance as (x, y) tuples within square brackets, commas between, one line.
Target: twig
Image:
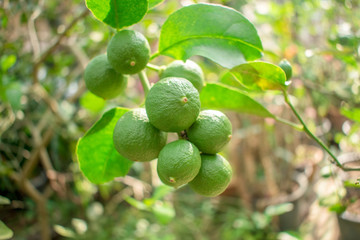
[(42, 213), (33, 160), (144, 82), (53, 47), (34, 40), (154, 67), (311, 135)]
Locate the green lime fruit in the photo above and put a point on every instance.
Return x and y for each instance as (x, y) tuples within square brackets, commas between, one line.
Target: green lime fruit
[(102, 80), (172, 104), (214, 176), (128, 52), (210, 132), (136, 139), (286, 66), (189, 70), (178, 163)]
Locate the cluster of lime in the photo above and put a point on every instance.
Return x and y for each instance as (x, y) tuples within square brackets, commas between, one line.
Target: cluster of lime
[(171, 105), (128, 52)]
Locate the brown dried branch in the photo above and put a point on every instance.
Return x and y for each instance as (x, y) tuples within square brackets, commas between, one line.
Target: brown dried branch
[(42, 213), (33, 160)]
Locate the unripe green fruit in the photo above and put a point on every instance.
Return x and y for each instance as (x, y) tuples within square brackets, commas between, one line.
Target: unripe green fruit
[(286, 66), (189, 70), (178, 163), (102, 80), (214, 176), (128, 52), (136, 139), (172, 104), (210, 132)]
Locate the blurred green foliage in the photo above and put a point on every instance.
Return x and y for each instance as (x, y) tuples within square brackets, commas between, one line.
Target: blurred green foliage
[(320, 38)]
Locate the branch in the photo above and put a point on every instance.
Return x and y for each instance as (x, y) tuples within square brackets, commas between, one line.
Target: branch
[(316, 139), (53, 47), (42, 213), (33, 160)]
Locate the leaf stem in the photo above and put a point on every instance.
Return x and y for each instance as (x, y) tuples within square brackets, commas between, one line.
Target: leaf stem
[(153, 67), (291, 124), (311, 135), (144, 81), (154, 55)]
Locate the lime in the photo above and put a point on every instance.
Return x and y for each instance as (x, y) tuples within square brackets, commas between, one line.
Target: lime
[(286, 66), (102, 80), (172, 104), (214, 176), (178, 163), (136, 139), (189, 70), (128, 52), (210, 132)]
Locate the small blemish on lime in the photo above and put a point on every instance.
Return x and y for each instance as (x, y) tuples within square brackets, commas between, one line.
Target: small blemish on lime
[(132, 63), (184, 99), (171, 179)]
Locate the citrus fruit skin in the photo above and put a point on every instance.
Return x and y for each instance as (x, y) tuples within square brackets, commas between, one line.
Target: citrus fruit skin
[(214, 176), (128, 52), (189, 70), (172, 104), (286, 66), (102, 80), (178, 163), (210, 132), (136, 139)]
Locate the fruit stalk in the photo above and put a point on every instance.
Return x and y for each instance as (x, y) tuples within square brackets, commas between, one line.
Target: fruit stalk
[(153, 67), (144, 82), (311, 135)]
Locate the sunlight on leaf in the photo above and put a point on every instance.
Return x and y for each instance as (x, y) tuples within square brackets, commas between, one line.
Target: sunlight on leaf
[(222, 97), (118, 13), (213, 31), (260, 76), (5, 232)]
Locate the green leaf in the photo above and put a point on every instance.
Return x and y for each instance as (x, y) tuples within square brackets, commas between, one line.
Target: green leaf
[(4, 200), (98, 159), (7, 62), (92, 102), (164, 212), (64, 231), (338, 208), (260, 76), (353, 114), (275, 210), (161, 191), (13, 95), (136, 203), (219, 96), (118, 13), (154, 3), (219, 33), (5, 232)]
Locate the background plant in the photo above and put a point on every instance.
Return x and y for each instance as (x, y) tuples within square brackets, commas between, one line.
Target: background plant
[(45, 47)]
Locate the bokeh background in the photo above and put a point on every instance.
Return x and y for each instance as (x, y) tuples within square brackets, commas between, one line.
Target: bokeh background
[(284, 186)]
